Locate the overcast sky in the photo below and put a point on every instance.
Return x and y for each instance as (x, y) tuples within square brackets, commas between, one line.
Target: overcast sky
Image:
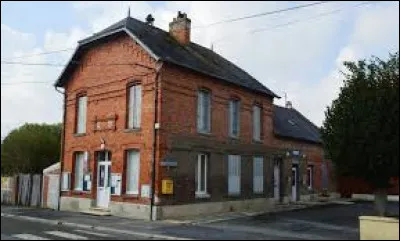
[(302, 57)]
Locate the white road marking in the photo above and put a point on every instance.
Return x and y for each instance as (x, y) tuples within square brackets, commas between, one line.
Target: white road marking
[(27, 236), (66, 235), (92, 233)]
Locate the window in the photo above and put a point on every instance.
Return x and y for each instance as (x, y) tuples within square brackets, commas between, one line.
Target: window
[(132, 172), (203, 111), (258, 175), (256, 123), (310, 177), (233, 174), (201, 174), (234, 119), (78, 181), (81, 115), (134, 106)]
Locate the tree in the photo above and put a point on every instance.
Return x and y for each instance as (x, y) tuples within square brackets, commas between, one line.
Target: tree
[(361, 129), (30, 148)]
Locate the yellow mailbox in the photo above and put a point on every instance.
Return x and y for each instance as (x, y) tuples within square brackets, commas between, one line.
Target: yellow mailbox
[(167, 186)]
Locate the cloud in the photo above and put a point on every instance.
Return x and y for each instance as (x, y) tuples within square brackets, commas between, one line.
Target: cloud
[(302, 59)]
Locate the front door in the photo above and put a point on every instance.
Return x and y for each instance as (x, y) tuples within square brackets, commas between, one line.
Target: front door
[(276, 182), (103, 182), (294, 183)]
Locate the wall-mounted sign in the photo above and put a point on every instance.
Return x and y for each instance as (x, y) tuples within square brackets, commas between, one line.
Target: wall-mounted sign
[(169, 162), (145, 191), (167, 187), (116, 183)]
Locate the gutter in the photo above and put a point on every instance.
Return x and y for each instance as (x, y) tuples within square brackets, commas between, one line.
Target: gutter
[(153, 161), (62, 146)]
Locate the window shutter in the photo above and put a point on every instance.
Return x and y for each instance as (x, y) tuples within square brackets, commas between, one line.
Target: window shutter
[(138, 105), (256, 123), (130, 107), (258, 177), (200, 111), (133, 171), (234, 174), (65, 182)]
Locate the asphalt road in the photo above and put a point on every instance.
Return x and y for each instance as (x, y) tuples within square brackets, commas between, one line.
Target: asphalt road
[(325, 222), (14, 229)]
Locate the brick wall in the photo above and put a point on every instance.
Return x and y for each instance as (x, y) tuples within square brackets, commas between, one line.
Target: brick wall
[(103, 76)]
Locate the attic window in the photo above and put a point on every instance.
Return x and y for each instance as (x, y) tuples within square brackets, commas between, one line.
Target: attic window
[(292, 122)]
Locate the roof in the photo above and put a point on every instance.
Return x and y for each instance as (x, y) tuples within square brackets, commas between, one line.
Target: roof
[(290, 123), (164, 47)]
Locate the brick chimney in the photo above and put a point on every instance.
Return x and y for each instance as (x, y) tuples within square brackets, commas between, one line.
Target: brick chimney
[(179, 28)]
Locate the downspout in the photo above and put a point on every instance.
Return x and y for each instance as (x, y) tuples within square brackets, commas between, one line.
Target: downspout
[(153, 161), (62, 147)]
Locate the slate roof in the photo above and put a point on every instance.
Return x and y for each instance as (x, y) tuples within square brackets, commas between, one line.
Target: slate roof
[(165, 48), (290, 123)]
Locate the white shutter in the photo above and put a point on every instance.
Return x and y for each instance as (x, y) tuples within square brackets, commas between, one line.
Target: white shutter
[(234, 174), (79, 171), (130, 107), (65, 182), (200, 112), (258, 177), (82, 107), (137, 106), (133, 171), (256, 123)]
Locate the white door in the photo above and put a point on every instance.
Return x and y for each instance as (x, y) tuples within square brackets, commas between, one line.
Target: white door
[(52, 192), (276, 182), (233, 174), (294, 184), (103, 184)]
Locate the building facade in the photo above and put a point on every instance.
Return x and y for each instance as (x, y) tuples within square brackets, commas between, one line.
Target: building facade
[(156, 126)]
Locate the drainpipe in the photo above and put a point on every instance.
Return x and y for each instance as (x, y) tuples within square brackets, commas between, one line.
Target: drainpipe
[(62, 146), (153, 161)]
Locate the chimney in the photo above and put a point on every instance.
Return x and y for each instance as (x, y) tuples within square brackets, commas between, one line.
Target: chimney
[(150, 20), (179, 28), (288, 105)]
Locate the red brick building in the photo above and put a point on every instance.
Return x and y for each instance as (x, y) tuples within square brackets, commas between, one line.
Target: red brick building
[(154, 123)]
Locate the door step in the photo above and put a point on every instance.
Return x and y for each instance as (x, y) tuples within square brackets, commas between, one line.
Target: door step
[(97, 212)]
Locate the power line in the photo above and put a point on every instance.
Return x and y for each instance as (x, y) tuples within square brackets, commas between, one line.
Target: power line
[(295, 21), (262, 14), (26, 82), (71, 62), (38, 54)]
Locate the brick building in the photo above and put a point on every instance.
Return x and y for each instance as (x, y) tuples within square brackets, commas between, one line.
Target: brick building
[(158, 126)]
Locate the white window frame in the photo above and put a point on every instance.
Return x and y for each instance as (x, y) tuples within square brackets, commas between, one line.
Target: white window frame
[(132, 190), (234, 175), (81, 114), (257, 125), (258, 174), (232, 105), (310, 176), (78, 171), (204, 192), (135, 106), (204, 112)]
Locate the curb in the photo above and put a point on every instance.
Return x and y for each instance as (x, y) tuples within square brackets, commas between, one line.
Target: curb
[(85, 226)]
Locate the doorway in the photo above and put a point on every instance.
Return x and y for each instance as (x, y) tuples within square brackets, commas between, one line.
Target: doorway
[(103, 179)]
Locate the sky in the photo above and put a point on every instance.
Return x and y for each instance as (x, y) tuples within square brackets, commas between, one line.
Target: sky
[(298, 52)]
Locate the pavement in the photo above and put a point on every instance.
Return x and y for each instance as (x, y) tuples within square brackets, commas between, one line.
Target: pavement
[(338, 220)]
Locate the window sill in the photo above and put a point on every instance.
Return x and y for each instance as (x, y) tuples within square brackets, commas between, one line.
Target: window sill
[(132, 130), (205, 133), (257, 141), (130, 196), (202, 195), (80, 192), (79, 134)]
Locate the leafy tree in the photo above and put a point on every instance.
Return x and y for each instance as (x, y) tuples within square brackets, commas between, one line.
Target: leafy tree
[(30, 148), (361, 129)]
